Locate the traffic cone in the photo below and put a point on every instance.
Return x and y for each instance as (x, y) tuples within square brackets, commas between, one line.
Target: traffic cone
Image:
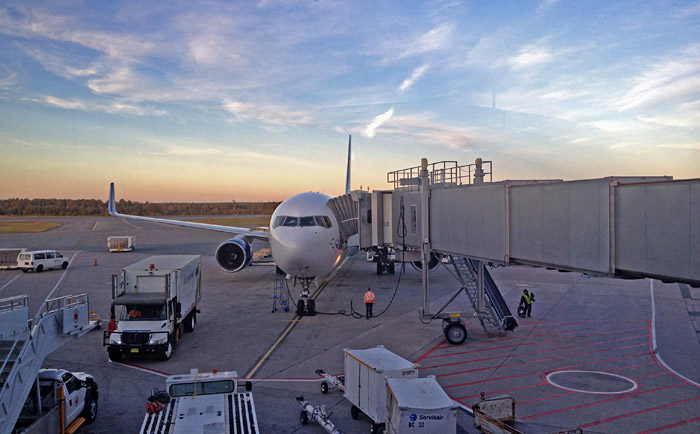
[(95, 260)]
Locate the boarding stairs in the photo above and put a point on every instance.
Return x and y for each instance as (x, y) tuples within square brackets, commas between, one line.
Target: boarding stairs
[(24, 345), (496, 317)]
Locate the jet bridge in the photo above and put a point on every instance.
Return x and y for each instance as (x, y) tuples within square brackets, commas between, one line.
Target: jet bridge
[(620, 227)]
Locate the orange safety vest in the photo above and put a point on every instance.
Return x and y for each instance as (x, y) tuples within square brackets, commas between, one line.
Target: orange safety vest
[(369, 297)]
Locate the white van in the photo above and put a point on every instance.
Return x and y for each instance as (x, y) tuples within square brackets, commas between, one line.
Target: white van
[(41, 260)]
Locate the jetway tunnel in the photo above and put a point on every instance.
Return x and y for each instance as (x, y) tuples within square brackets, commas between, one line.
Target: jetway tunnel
[(621, 227), (618, 227)]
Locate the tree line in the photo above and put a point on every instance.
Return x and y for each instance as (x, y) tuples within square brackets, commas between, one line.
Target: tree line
[(95, 207)]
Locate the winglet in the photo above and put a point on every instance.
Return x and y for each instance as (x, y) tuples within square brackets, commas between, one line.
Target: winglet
[(347, 179), (111, 207)]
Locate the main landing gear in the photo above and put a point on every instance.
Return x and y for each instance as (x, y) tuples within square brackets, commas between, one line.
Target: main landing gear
[(305, 305)]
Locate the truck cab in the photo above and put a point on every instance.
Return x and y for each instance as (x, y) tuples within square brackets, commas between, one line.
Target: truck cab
[(77, 392)]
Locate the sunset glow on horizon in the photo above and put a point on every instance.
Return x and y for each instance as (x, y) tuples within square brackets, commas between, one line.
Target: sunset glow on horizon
[(220, 101)]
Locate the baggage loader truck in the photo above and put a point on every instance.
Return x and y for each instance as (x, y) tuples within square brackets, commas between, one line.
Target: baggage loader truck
[(153, 300)]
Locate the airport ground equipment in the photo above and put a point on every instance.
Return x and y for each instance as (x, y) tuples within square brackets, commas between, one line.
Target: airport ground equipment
[(24, 345), (419, 405), (121, 243), (331, 381), (153, 300), (61, 402), (316, 414), (366, 372), (281, 296), (204, 403), (495, 317), (8, 258), (497, 416)]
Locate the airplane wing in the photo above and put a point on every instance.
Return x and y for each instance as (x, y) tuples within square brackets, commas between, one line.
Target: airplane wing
[(258, 235)]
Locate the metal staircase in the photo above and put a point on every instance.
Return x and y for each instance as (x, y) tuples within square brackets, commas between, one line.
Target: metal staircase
[(24, 345), (496, 316)]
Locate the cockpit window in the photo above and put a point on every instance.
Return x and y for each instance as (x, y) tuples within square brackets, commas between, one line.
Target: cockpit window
[(318, 220), (323, 221), (307, 221)]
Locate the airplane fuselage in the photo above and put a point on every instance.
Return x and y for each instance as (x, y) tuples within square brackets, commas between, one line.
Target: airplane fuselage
[(305, 236)]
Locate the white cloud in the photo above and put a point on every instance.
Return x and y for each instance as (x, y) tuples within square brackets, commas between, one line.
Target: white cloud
[(114, 107), (383, 118), (665, 81), (269, 114), (531, 55), (415, 76)]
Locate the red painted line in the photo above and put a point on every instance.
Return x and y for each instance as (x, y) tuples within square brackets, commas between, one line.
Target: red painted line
[(632, 366), (539, 360), (535, 342), (634, 413), (143, 369), (673, 425), (561, 410), (546, 397), (504, 390), (520, 344), (464, 362), (546, 370), (429, 351)]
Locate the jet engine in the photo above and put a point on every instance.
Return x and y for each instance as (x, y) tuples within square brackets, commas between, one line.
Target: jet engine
[(234, 254)]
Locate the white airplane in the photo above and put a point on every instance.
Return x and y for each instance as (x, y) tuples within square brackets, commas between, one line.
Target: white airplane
[(304, 236)]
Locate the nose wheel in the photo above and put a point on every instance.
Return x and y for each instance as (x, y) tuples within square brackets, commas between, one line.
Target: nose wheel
[(306, 306)]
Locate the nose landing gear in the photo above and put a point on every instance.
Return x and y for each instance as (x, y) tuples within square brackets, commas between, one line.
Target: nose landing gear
[(305, 305)]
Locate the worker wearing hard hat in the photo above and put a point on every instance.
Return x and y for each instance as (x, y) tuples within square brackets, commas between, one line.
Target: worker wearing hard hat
[(369, 302)]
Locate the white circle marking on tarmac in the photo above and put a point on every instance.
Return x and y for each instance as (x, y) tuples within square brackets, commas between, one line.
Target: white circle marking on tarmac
[(634, 384)]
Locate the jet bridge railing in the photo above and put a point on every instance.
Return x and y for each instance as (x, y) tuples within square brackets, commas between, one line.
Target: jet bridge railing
[(443, 172)]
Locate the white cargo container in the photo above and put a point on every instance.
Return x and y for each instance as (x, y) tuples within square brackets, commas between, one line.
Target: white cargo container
[(419, 405), (122, 243), (366, 372)]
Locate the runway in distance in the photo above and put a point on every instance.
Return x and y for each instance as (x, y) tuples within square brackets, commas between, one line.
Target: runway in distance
[(304, 236)]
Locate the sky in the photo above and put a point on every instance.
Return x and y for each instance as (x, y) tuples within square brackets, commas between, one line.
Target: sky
[(191, 101)]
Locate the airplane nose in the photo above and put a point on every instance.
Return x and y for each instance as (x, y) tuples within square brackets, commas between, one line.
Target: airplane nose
[(292, 250)]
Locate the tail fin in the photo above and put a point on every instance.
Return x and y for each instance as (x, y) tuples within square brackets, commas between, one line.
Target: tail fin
[(111, 207), (347, 178)]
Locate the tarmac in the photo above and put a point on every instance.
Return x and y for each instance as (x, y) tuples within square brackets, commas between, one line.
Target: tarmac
[(603, 355)]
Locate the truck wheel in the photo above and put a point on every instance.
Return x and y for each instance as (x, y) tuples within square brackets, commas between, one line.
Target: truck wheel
[(189, 323), (40, 268), (165, 355), (456, 333), (64, 265), (324, 387), (114, 355), (90, 410), (355, 412)]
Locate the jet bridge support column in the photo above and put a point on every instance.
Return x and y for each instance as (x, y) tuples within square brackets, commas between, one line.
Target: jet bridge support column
[(425, 230)]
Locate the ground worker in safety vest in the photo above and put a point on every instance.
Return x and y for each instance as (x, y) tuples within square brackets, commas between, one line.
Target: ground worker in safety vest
[(369, 302), (526, 302)]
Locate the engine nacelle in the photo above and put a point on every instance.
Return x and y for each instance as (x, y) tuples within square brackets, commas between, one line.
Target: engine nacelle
[(234, 254)]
